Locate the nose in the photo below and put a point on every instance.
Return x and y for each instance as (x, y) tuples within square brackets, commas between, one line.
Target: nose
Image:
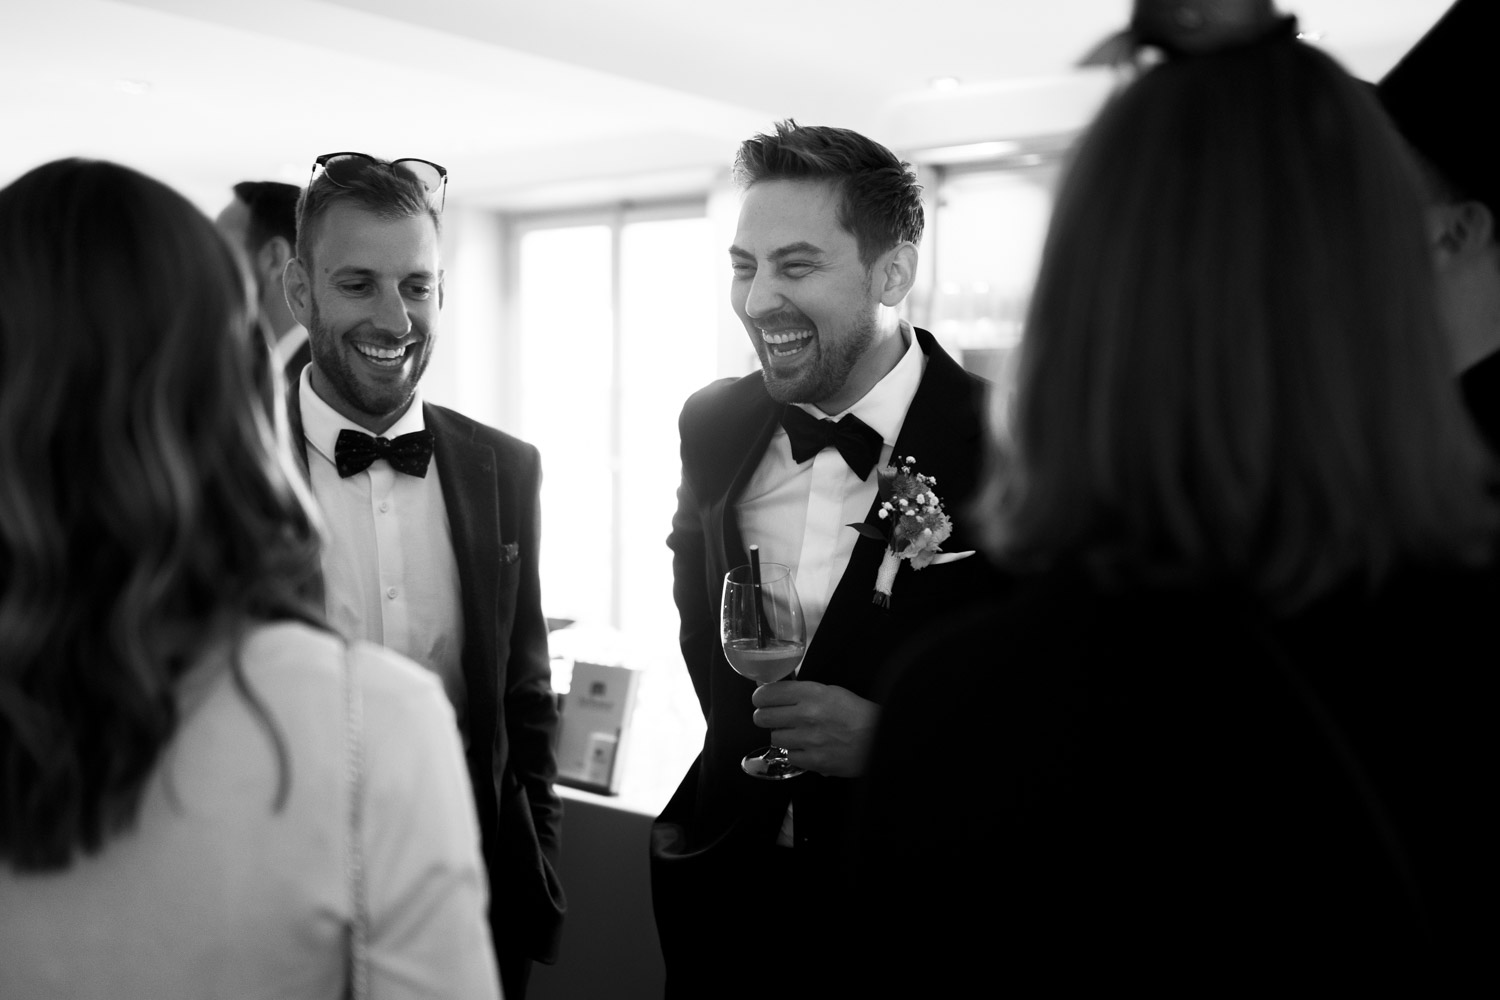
[(391, 314), (763, 296)]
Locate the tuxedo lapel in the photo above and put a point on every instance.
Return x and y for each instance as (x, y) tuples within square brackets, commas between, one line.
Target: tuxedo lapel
[(939, 431), (466, 471), (747, 439)]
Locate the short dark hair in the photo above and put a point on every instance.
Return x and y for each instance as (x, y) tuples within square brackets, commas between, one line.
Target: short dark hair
[(880, 199), (273, 212), (372, 185)]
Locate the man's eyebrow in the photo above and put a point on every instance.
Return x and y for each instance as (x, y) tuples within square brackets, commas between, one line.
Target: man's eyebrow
[(351, 271), (780, 253)]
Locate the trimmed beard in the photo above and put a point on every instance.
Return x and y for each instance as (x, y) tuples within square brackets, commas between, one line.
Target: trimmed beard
[(339, 373), (825, 377)]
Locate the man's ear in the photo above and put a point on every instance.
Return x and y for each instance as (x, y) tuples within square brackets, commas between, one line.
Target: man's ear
[(298, 290), (271, 258), (898, 273), (1460, 229)]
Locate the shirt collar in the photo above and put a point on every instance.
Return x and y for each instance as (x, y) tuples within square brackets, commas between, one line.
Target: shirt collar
[(321, 423), (884, 406)]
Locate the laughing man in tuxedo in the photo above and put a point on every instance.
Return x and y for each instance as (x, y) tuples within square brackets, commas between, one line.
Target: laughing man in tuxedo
[(748, 875), (433, 525)]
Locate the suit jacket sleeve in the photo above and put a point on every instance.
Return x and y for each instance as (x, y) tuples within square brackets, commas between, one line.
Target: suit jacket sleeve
[(528, 701), (698, 632)]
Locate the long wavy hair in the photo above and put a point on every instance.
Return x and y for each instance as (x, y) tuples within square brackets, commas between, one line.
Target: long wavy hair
[(1232, 370), (148, 506)]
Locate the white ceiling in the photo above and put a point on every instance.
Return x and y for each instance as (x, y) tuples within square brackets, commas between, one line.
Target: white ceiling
[(532, 101)]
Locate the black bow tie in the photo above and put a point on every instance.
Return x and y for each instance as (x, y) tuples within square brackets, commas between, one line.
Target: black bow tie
[(856, 440), (354, 451)]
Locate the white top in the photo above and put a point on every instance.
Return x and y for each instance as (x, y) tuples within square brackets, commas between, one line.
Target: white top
[(798, 514), (211, 894), (389, 573)]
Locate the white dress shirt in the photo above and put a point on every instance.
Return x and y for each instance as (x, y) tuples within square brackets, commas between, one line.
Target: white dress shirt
[(799, 514), (389, 573)]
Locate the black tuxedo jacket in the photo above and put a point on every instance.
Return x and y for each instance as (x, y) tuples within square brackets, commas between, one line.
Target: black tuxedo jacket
[(491, 484), (718, 814)]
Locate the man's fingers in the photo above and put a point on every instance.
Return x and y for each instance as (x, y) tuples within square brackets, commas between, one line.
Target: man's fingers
[(777, 693)]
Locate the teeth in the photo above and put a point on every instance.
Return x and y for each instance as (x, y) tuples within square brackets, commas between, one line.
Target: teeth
[(382, 353), (784, 336)]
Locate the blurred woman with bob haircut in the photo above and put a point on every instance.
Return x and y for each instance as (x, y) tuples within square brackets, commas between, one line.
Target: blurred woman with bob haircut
[(1231, 727), (183, 811)]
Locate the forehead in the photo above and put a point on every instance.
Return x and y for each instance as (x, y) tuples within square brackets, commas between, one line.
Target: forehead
[(350, 236), (778, 213)]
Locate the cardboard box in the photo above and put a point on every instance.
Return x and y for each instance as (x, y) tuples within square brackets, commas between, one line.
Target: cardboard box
[(592, 734)]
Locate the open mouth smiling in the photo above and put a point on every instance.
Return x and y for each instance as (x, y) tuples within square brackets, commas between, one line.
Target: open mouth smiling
[(785, 343), (384, 357)]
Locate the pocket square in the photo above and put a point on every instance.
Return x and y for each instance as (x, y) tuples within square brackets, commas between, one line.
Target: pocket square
[(509, 553), (948, 557)]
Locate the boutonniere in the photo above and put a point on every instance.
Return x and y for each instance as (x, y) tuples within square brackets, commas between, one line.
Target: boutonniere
[(913, 524)]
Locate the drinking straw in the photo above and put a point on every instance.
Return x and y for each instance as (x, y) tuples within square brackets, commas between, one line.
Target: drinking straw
[(760, 638)]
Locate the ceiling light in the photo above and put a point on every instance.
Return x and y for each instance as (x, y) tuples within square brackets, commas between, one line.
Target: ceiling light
[(944, 83), (135, 88)]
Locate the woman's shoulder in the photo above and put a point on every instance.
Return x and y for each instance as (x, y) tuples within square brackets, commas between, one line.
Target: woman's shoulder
[(296, 657)]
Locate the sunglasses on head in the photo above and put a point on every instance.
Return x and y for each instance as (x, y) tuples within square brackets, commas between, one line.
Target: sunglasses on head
[(340, 168)]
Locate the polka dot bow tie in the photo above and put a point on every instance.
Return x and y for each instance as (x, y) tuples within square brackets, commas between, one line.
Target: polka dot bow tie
[(410, 453)]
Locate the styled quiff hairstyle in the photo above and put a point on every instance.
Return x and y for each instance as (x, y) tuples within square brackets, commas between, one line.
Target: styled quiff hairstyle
[(880, 201), (148, 507), (1233, 370), (372, 185)]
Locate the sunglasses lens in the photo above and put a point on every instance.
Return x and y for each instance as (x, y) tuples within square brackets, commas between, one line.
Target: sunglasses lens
[(345, 166), (428, 174)]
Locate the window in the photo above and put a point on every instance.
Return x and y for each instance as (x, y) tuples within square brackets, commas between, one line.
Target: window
[(988, 226), (616, 327)]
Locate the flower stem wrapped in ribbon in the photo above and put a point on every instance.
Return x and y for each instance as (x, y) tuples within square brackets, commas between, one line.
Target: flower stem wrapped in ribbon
[(913, 523)]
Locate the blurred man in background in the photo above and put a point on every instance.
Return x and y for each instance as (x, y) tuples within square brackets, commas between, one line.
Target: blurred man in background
[(1441, 96), (262, 221)]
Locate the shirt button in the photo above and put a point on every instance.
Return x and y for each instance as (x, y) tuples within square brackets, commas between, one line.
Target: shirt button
[(391, 593), (385, 505)]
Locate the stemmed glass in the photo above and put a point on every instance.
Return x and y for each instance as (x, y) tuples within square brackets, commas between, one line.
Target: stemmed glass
[(764, 636)]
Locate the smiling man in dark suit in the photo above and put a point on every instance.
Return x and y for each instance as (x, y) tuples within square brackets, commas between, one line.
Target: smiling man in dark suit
[(432, 518), (748, 876)]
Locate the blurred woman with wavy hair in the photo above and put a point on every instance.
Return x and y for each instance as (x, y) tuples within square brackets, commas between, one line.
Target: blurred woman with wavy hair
[(178, 805), (1232, 726)]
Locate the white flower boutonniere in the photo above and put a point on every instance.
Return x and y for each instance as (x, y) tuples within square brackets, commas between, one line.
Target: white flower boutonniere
[(913, 524)]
